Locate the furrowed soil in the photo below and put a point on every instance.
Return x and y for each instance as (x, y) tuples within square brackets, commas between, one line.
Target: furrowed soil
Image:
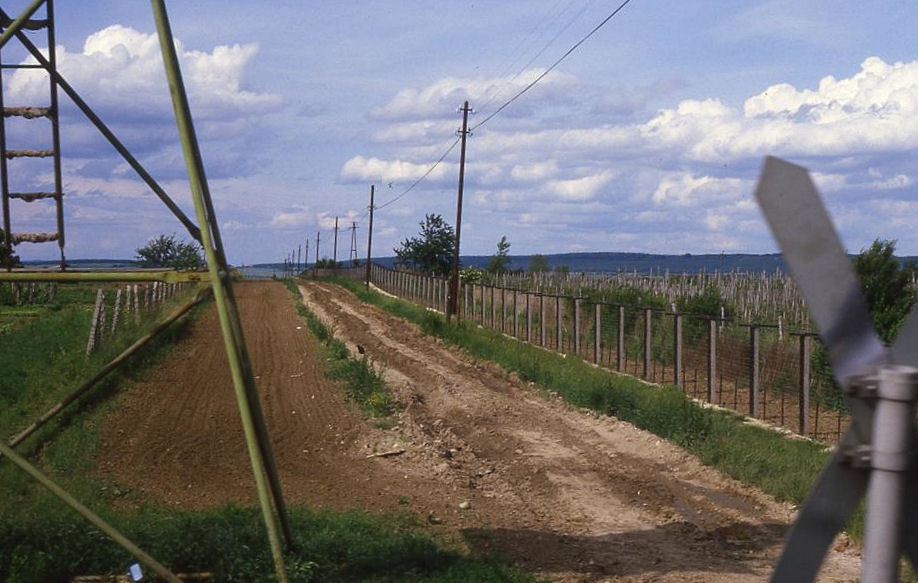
[(479, 456)]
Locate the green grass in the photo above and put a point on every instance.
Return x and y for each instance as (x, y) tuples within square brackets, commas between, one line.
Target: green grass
[(359, 381), (785, 468)]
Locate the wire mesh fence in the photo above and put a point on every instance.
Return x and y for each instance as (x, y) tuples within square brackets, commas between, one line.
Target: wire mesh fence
[(759, 370)]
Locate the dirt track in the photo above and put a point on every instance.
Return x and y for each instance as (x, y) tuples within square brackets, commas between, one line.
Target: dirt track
[(557, 490)]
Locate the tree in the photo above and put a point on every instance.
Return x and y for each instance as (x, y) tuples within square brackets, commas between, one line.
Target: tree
[(538, 264), (7, 257), (432, 250), (165, 251), (499, 261), (886, 284)]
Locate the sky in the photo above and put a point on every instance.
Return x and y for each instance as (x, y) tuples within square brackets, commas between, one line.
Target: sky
[(648, 138)]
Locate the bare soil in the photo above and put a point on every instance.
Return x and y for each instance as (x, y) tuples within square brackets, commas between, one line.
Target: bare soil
[(495, 463)]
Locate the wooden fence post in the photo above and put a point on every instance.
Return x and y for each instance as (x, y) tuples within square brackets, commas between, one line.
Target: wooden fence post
[(577, 326), (712, 361), (620, 342), (493, 309), (503, 310), (677, 350), (597, 351), (93, 328), (648, 338), (559, 325), (753, 370), (516, 316), (116, 312), (542, 320), (528, 317), (804, 383)]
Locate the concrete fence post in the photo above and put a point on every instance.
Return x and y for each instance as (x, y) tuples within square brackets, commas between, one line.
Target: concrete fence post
[(804, 398)]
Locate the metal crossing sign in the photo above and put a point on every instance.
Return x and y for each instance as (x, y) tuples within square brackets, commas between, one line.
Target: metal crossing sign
[(876, 455)]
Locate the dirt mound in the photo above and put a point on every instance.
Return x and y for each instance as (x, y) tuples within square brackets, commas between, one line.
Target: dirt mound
[(557, 490)]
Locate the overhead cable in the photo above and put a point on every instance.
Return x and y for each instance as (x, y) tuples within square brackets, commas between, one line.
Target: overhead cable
[(552, 67)]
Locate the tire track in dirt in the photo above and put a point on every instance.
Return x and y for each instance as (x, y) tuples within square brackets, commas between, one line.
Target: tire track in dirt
[(568, 494)]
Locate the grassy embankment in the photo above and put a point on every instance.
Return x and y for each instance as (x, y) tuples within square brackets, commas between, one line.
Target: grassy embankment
[(785, 468), (43, 540)]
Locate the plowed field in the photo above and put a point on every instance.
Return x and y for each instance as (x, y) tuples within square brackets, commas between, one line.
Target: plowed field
[(486, 458)]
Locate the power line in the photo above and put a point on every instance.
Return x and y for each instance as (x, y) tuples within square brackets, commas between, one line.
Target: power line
[(552, 67), (544, 48), (425, 175)]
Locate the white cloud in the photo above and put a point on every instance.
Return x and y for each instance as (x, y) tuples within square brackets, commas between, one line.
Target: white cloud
[(359, 169), (534, 172), (446, 95), (121, 68), (583, 188)]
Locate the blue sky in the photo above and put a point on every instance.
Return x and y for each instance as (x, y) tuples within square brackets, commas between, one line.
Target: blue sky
[(648, 138)]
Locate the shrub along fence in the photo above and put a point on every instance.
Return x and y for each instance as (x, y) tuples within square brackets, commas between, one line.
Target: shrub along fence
[(760, 370)]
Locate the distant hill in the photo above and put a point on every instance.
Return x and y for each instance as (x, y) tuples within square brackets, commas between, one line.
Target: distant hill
[(615, 262)]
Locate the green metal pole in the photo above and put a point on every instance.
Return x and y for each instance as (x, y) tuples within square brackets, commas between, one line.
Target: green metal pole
[(17, 24), (242, 379), (166, 276), (112, 365), (88, 514)]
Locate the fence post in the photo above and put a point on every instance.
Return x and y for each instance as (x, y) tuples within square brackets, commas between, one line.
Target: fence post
[(516, 316), (116, 312), (528, 317), (648, 338), (481, 296), (465, 300), (620, 342), (493, 308), (93, 328), (597, 351), (712, 361), (753, 370), (542, 321), (577, 326), (677, 349), (804, 383), (503, 310), (559, 325)]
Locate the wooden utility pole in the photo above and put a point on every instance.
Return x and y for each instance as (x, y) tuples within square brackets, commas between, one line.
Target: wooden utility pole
[(299, 249), (453, 302), (370, 236), (316, 266), (335, 247)]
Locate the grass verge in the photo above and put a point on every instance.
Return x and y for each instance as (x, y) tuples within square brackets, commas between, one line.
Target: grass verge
[(785, 468), (360, 382)]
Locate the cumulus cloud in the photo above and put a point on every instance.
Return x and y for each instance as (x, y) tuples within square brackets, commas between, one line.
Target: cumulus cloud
[(439, 98), (360, 169), (119, 67), (583, 188)]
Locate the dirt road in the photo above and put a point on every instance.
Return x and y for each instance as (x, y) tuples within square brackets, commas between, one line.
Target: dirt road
[(556, 490)]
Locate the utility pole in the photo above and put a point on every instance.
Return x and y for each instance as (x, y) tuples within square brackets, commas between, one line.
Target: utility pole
[(335, 252), (316, 266), (370, 235), (299, 248), (453, 303), (306, 256)]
